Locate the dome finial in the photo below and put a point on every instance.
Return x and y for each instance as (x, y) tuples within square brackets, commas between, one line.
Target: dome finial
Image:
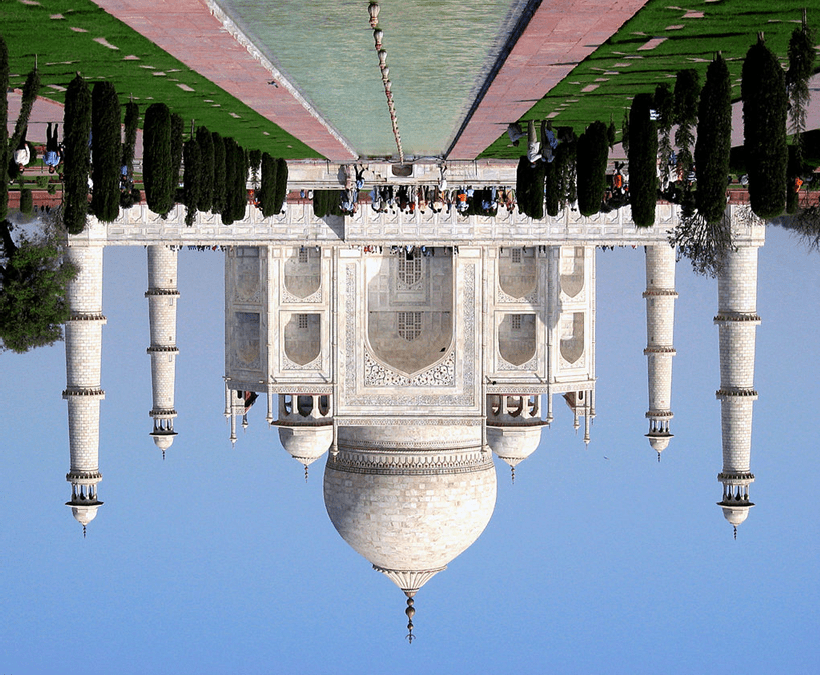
[(735, 528), (512, 474), (84, 532), (163, 455), (659, 455), (306, 472), (410, 612)]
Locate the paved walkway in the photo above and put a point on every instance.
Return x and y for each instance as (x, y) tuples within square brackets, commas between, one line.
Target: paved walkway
[(189, 31), (561, 34)]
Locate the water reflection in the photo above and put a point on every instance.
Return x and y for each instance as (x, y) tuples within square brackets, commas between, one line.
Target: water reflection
[(409, 367)]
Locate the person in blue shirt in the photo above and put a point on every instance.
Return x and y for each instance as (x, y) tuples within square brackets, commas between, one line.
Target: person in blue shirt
[(53, 155)]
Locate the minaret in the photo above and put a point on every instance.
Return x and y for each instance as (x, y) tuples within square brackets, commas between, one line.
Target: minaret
[(162, 297), (83, 356), (737, 322), (660, 324)]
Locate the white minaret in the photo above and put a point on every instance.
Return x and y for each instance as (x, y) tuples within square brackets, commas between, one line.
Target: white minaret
[(737, 322), (660, 324), (162, 297), (83, 356)]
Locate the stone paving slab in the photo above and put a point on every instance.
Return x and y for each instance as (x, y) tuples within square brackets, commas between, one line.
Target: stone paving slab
[(190, 32), (561, 34)]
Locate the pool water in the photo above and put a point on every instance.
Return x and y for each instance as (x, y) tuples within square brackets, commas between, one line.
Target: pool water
[(439, 54)]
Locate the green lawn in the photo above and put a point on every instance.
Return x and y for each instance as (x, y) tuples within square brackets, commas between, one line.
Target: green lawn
[(621, 69), (71, 35)]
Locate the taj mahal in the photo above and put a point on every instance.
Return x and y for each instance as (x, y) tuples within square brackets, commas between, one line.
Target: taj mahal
[(410, 368)]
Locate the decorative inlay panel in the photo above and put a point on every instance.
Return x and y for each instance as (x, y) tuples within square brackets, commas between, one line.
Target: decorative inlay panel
[(440, 375)]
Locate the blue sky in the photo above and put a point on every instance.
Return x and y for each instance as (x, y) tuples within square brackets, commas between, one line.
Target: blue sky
[(224, 560)]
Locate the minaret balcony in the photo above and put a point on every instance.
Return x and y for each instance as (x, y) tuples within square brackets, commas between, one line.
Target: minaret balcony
[(87, 316), (656, 292), (741, 392), (162, 348), (83, 477), (736, 478), (660, 350), (99, 393), (161, 291), (744, 317)]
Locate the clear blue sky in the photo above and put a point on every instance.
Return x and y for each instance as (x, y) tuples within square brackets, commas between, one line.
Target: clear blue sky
[(224, 560)]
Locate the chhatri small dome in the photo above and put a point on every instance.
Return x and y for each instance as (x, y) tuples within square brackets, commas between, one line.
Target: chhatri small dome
[(410, 507), (306, 444), (84, 514), (163, 441), (735, 514), (513, 444), (659, 442)]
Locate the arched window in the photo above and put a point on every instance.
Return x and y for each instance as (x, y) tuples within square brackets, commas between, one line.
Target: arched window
[(409, 271), (409, 325)]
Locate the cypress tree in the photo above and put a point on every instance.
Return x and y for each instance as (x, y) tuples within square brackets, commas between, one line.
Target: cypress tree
[(26, 201), (552, 186), (714, 141), (157, 169), (592, 158), (281, 184), (643, 153), (268, 187), (565, 159), (30, 90), (523, 184), (4, 131), (132, 118), (240, 190), (801, 68), (206, 156), (664, 104), (687, 91), (107, 151), (318, 202), (763, 90), (76, 132), (177, 131), (219, 185), (192, 179), (254, 160)]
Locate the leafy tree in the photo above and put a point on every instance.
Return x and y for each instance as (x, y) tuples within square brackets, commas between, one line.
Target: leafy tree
[(132, 118), (33, 303), (801, 67), (157, 161), (206, 155), (763, 90), (687, 91), (591, 160), (30, 91), (76, 136), (714, 141), (705, 244), (643, 153), (177, 131), (4, 132), (107, 151), (267, 191), (192, 179), (219, 186)]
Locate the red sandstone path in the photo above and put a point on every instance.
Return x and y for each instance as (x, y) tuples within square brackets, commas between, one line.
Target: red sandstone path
[(187, 30), (561, 34)]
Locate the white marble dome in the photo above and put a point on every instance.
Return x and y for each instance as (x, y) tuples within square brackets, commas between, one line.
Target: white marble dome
[(84, 514), (513, 444), (659, 443), (410, 511), (163, 441), (306, 444)]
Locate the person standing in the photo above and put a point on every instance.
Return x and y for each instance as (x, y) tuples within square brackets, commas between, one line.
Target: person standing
[(53, 153)]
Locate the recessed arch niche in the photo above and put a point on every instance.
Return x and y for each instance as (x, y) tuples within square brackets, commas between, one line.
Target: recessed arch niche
[(303, 271), (303, 335), (516, 338)]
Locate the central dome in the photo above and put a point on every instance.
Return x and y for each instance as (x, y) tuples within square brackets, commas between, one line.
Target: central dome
[(410, 506)]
